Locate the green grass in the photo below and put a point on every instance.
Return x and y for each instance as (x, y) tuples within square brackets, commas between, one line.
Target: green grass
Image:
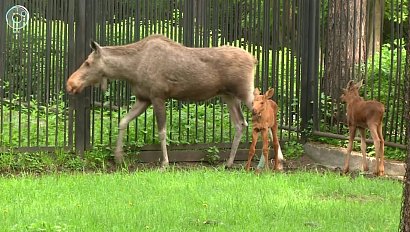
[(199, 200)]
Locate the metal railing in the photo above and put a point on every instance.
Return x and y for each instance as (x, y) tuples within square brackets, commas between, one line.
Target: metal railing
[(290, 39)]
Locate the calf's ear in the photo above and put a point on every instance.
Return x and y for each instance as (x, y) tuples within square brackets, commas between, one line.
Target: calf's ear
[(359, 84), (256, 92), (269, 93), (350, 84)]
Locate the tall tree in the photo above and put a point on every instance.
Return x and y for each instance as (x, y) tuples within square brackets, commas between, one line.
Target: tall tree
[(374, 29), (405, 210), (345, 45)]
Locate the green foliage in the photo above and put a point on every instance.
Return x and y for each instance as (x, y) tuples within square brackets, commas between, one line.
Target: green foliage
[(212, 155), (74, 163), (396, 11), (387, 70), (293, 150), (97, 159)]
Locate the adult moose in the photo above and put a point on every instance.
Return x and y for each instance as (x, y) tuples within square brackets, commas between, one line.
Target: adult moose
[(158, 68), (363, 114)]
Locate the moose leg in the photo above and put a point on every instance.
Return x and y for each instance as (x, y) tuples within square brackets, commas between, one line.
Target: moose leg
[(265, 148), (234, 106), (352, 133), (376, 141), (363, 148), (276, 148), (280, 154), (160, 114), (252, 149), (135, 111)]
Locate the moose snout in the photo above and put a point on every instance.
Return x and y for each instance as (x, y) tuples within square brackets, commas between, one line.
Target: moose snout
[(72, 87), (255, 112)]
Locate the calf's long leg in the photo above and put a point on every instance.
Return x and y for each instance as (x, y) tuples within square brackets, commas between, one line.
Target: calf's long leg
[(363, 148), (234, 106), (377, 148), (280, 154), (276, 148), (160, 113), (138, 108), (252, 149), (261, 163), (265, 148), (352, 133)]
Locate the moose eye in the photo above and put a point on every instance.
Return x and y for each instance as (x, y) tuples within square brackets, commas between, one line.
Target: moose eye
[(87, 63)]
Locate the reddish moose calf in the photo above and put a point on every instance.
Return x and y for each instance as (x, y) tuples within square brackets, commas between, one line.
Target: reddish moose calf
[(158, 68), (264, 113), (363, 114)]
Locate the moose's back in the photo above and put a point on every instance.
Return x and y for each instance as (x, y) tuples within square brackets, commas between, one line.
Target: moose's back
[(167, 69)]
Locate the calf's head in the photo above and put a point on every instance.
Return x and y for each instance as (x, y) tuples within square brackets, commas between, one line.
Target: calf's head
[(351, 91), (260, 101), (91, 72)]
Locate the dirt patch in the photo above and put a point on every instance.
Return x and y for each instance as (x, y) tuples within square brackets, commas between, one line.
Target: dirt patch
[(303, 163)]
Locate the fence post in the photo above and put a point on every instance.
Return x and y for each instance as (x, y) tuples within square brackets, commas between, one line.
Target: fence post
[(188, 23), (310, 62), (81, 101), (2, 43)]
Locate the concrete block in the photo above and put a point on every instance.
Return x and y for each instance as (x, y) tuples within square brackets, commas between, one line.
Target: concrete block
[(334, 156)]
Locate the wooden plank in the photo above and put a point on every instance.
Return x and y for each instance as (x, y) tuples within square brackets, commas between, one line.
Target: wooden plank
[(220, 146)]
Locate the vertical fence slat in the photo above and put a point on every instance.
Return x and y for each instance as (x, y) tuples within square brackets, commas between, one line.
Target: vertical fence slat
[(2, 67)]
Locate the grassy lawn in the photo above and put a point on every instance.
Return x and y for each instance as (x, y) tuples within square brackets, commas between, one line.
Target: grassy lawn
[(199, 200)]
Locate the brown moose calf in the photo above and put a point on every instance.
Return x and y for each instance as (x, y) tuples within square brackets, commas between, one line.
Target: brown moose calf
[(363, 114), (264, 112)]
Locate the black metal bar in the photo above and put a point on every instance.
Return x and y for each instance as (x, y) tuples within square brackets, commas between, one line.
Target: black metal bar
[(315, 63), (82, 114), (2, 65), (49, 23), (70, 51), (309, 64)]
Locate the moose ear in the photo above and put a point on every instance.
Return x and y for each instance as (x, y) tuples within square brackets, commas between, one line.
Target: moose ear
[(95, 46), (350, 84), (256, 92), (269, 93), (359, 84)]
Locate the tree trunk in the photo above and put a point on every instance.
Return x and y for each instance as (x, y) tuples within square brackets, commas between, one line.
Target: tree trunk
[(345, 44), (374, 32), (405, 210)]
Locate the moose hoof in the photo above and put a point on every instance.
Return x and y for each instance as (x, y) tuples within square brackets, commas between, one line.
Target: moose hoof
[(119, 157), (164, 165), (228, 166), (379, 173), (279, 167), (345, 170)]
